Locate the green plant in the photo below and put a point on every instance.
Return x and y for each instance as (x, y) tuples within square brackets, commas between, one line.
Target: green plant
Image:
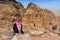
[(54, 27)]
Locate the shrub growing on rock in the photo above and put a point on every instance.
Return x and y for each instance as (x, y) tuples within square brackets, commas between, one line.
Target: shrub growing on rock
[(54, 27)]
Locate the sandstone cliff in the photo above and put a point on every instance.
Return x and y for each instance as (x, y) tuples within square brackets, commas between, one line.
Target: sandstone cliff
[(33, 17), (37, 18), (9, 11)]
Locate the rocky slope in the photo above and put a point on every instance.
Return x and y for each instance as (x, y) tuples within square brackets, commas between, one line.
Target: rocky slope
[(33, 17), (37, 18), (9, 11)]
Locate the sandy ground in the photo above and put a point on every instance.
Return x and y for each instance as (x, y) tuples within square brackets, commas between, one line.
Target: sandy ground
[(46, 37), (40, 37)]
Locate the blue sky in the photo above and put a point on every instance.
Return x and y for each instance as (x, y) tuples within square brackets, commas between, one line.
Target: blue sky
[(49, 4)]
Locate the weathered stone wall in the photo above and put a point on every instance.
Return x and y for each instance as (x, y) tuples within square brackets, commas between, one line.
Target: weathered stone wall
[(57, 20), (33, 17), (9, 12), (37, 18)]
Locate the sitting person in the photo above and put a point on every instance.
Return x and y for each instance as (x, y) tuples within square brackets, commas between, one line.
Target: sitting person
[(18, 27)]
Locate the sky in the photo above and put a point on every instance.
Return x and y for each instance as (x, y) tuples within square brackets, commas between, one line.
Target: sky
[(49, 4), (53, 5)]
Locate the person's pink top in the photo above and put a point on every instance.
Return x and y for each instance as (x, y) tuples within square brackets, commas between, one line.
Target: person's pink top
[(18, 23)]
